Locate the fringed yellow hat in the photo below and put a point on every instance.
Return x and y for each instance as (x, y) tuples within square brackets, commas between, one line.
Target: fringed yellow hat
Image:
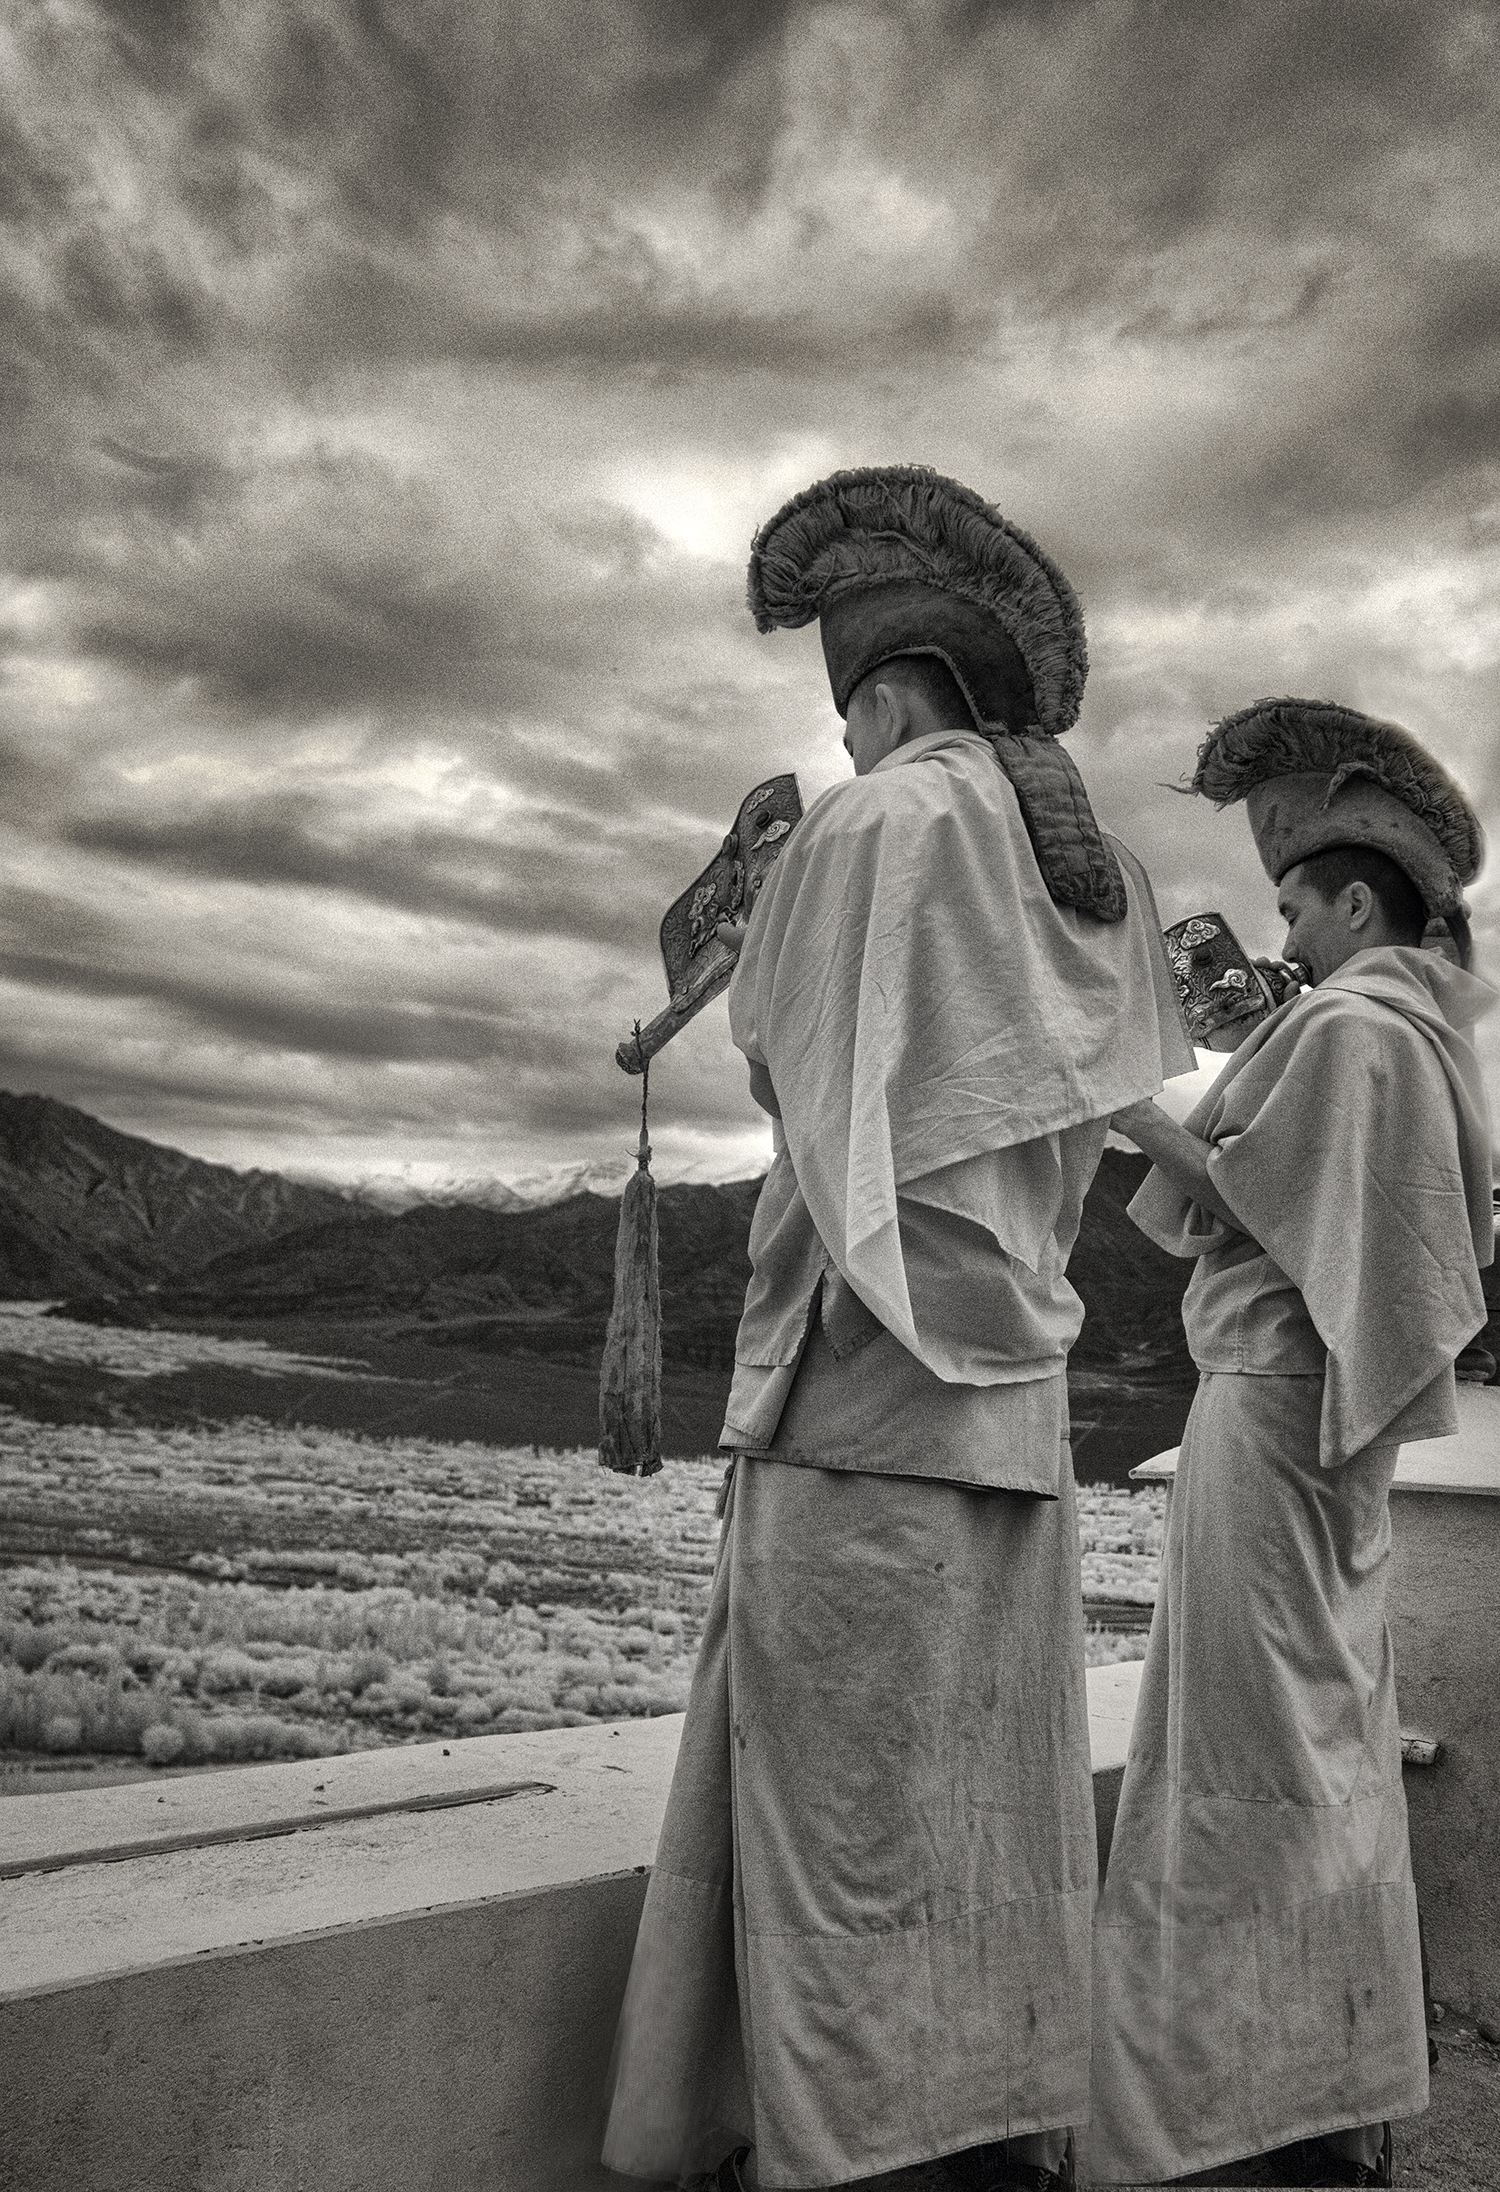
[(898, 560), (1314, 775)]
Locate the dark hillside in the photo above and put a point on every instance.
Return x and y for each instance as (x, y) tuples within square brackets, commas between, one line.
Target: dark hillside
[(83, 1207), (533, 1281), (457, 1319), (540, 1281), (488, 1324), (1131, 1289)]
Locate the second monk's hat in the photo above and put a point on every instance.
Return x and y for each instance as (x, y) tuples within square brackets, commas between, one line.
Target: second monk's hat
[(1314, 775), (897, 560)]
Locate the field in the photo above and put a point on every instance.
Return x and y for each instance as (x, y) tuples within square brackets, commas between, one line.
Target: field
[(202, 1594)]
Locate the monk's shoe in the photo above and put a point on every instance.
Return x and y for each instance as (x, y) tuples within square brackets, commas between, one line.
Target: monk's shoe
[(1324, 2167), (728, 2177), (1014, 2175)]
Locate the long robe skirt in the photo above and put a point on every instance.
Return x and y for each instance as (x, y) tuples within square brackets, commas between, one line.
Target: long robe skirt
[(866, 1937), (1257, 1974)]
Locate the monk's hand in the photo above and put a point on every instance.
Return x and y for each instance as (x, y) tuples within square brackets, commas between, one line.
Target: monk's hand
[(1182, 1156), (731, 933), (1283, 979)]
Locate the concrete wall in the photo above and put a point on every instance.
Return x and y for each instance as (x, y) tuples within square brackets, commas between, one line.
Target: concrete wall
[(449, 2049), (398, 1969), (385, 1973), (1445, 1625)]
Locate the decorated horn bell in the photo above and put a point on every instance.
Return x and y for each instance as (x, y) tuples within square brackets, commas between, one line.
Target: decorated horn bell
[(1223, 994), (698, 965), (690, 947)]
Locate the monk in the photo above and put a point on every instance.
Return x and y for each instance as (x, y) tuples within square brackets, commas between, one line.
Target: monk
[(865, 1944), (1257, 1976)]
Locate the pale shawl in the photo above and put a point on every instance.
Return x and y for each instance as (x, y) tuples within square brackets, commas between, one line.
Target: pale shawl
[(921, 1003), (1351, 1139)]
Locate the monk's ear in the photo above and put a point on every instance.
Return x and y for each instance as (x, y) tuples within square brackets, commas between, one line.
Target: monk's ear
[(892, 715)]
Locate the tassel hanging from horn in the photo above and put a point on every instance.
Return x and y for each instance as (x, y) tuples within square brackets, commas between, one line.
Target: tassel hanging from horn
[(630, 1376)]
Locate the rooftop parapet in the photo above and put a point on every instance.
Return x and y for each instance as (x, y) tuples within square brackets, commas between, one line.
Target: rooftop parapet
[(398, 1969)]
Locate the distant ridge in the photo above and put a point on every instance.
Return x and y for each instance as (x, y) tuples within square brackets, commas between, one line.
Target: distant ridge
[(533, 1281), (400, 1190), (126, 1230), (84, 1206), (1131, 1290), (537, 1280), (408, 1187)]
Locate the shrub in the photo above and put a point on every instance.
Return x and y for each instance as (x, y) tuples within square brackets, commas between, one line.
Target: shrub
[(367, 1668), (284, 1680), (63, 1732), (95, 1659), (259, 1735), (224, 1671), (29, 1648), (162, 1743), (1106, 1648)]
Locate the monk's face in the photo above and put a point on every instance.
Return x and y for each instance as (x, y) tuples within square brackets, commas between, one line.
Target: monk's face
[(1321, 933)]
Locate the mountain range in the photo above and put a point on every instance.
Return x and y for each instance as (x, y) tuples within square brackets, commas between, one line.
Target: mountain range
[(536, 1281), (83, 1206), (458, 1319), (404, 1187), (462, 1319), (129, 1232)]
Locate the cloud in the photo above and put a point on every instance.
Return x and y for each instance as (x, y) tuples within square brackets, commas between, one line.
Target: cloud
[(56, 945), (388, 397), (319, 585), (528, 884)]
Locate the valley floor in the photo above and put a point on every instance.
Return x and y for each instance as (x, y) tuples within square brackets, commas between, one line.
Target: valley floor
[(213, 1592)]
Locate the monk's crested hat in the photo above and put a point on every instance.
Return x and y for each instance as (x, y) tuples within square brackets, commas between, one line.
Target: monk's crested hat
[(1314, 775), (897, 560)]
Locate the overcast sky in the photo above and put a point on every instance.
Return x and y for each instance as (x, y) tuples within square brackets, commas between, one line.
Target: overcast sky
[(390, 392)]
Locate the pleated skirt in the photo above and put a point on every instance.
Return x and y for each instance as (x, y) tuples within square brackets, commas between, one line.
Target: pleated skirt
[(1257, 1970), (866, 1937)]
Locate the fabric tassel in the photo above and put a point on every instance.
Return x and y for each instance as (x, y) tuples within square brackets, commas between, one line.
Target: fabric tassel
[(630, 1375)]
